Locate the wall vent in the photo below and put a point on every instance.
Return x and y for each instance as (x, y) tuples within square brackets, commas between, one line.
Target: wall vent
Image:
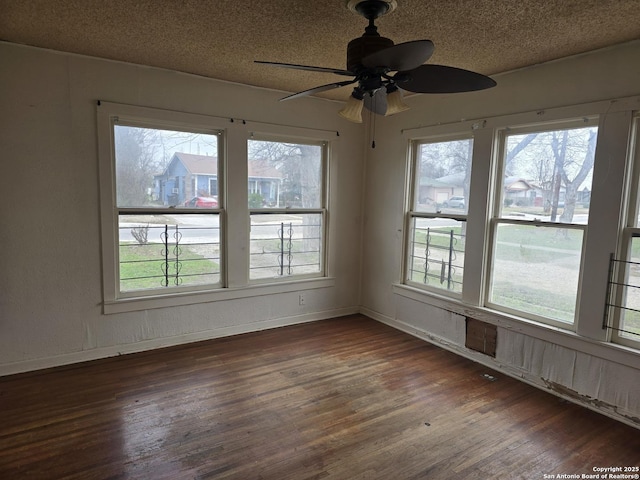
[(481, 337)]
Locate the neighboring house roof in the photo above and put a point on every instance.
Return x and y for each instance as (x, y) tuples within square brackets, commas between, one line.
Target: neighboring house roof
[(432, 182), (197, 164), (258, 169), (455, 179), (208, 165), (517, 184)]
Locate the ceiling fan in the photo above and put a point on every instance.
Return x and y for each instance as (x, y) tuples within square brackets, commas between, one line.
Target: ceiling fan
[(371, 59)]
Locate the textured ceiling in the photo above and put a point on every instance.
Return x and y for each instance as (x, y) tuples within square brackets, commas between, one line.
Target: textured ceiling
[(221, 38)]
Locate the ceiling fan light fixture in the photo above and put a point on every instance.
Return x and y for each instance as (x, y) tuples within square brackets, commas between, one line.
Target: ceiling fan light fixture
[(395, 104), (371, 61), (352, 110)]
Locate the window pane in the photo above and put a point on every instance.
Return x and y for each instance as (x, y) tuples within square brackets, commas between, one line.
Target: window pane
[(284, 175), (547, 175), (285, 245), (159, 251), (630, 317), (536, 270), (437, 253), (159, 168), (443, 173)]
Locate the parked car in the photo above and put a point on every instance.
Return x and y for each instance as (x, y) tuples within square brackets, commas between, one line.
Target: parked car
[(454, 202), (202, 202)]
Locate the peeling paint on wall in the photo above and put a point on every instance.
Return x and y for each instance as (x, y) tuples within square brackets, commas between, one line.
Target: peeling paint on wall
[(587, 379)]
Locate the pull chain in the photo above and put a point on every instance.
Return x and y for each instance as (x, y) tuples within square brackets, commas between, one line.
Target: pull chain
[(372, 121)]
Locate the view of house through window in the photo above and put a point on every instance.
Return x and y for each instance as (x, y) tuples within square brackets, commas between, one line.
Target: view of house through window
[(167, 208), (437, 219), (286, 203), (541, 213)]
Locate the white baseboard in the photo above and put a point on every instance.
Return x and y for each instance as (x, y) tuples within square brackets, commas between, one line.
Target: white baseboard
[(113, 351), (494, 364)]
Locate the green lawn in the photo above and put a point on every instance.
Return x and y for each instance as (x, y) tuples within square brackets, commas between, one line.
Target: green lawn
[(548, 237), (142, 267), (538, 301)]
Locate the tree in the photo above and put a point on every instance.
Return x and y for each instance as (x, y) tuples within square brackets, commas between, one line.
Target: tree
[(142, 153), (513, 149), (574, 154), (300, 166), (442, 159), (136, 163), (554, 160)]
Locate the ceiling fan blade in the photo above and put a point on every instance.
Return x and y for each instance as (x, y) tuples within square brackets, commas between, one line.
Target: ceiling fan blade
[(442, 79), (376, 103), (401, 57), (321, 88), (336, 71)]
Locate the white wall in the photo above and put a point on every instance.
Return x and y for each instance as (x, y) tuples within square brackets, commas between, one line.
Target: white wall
[(50, 263), (579, 366), (50, 278)]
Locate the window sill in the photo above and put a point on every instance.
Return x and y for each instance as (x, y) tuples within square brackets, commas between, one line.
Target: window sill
[(178, 299), (565, 338)]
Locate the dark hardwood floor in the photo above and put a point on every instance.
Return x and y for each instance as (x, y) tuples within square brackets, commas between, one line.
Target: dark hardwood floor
[(348, 398)]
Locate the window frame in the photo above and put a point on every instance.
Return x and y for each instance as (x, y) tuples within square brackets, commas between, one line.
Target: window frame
[(630, 230), (108, 116), (322, 210), (412, 213), (606, 213), (496, 219)]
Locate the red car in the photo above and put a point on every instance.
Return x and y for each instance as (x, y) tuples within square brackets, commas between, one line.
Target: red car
[(202, 202)]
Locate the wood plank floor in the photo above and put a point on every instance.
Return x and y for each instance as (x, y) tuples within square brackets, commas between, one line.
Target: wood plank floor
[(347, 398)]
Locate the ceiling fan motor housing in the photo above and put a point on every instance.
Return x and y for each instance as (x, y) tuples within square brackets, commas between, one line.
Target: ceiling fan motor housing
[(360, 47), (371, 41)]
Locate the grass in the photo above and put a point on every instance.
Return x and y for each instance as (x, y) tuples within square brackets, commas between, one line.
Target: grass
[(440, 237), (141, 267), (541, 302), (546, 237), (631, 323), (265, 257)]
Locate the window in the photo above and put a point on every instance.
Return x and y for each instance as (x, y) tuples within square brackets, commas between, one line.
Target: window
[(287, 208), (437, 216), (626, 319), (540, 214), (161, 219)]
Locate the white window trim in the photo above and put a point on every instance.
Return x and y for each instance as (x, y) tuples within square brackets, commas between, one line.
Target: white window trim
[(322, 209), (628, 232), (603, 349), (412, 185), (109, 115), (229, 293), (235, 281), (615, 117), (496, 218)]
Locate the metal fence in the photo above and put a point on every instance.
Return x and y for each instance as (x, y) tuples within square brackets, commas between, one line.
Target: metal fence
[(437, 258), (286, 248), (153, 256)]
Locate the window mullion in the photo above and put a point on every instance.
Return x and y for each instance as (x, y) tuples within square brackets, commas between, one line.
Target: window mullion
[(604, 221), (477, 225)]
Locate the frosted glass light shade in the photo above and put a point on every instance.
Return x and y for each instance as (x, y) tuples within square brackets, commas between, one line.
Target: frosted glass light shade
[(395, 103), (352, 110)]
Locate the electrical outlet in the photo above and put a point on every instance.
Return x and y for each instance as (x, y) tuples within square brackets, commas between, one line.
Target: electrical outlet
[(300, 299)]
